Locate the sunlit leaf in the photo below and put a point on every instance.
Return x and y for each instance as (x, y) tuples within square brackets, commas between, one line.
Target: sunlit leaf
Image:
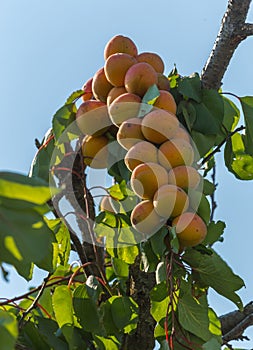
[(247, 106)]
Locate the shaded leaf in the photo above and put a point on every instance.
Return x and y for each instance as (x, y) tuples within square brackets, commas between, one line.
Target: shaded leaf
[(214, 232), (8, 330), (247, 107), (190, 87), (63, 118)]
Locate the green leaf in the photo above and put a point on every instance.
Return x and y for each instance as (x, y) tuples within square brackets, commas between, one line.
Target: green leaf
[(151, 95), (115, 191), (243, 167), (128, 254), (157, 242), (124, 312), (212, 271), (204, 143), (247, 107), (160, 273), (8, 330), (214, 232), (214, 325), (190, 87), (120, 268), (107, 343), (200, 204), (193, 315), (63, 118), (231, 114), (74, 96), (149, 260), (212, 344), (188, 111), (159, 301), (48, 330), (208, 187)]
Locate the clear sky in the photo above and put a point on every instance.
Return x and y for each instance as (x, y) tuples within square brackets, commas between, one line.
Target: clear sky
[(50, 48)]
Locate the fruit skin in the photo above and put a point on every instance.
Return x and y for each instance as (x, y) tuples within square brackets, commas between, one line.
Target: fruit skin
[(184, 176), (153, 59), (106, 204), (166, 101), (163, 82), (100, 85), (120, 44), (182, 133), (175, 152), (144, 218), (87, 88), (124, 107), (116, 67), (170, 201), (159, 126), (95, 151), (141, 152), (129, 133), (190, 228), (146, 178), (114, 93), (92, 118), (139, 78)]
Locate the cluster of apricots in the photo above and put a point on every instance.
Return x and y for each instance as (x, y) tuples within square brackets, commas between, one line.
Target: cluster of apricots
[(159, 154)]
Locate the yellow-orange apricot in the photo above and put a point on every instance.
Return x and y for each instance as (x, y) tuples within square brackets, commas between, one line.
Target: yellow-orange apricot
[(182, 133), (92, 118), (129, 133), (170, 201), (190, 228), (159, 125), (100, 85), (175, 152), (153, 59), (166, 101), (114, 93), (139, 78), (87, 88), (106, 204), (141, 152), (120, 44), (95, 151), (116, 67), (184, 176), (163, 82), (144, 218), (124, 107), (146, 178)]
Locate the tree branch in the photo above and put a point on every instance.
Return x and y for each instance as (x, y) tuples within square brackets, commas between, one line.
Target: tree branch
[(232, 32)]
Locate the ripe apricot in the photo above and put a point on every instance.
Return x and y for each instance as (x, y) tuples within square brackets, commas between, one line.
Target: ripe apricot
[(121, 44), (116, 67), (153, 59), (163, 82), (141, 152), (124, 107), (106, 204), (100, 85), (144, 218), (170, 201), (182, 133), (159, 125), (114, 93), (175, 152), (146, 178), (92, 118), (166, 101), (190, 228), (129, 133), (184, 176), (87, 88), (139, 78), (95, 151)]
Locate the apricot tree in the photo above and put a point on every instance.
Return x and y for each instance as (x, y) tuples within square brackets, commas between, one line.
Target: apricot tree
[(145, 254)]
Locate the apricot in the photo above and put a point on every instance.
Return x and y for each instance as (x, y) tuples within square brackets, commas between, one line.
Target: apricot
[(139, 78), (166, 101), (175, 152), (144, 218), (146, 178), (170, 201), (114, 93), (87, 88), (184, 176), (190, 228), (163, 82), (121, 44), (92, 118), (141, 152), (95, 151), (159, 125), (116, 67), (153, 59), (129, 133), (100, 85), (124, 107), (182, 133), (106, 204)]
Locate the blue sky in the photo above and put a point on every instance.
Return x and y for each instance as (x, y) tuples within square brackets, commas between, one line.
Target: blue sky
[(50, 48)]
